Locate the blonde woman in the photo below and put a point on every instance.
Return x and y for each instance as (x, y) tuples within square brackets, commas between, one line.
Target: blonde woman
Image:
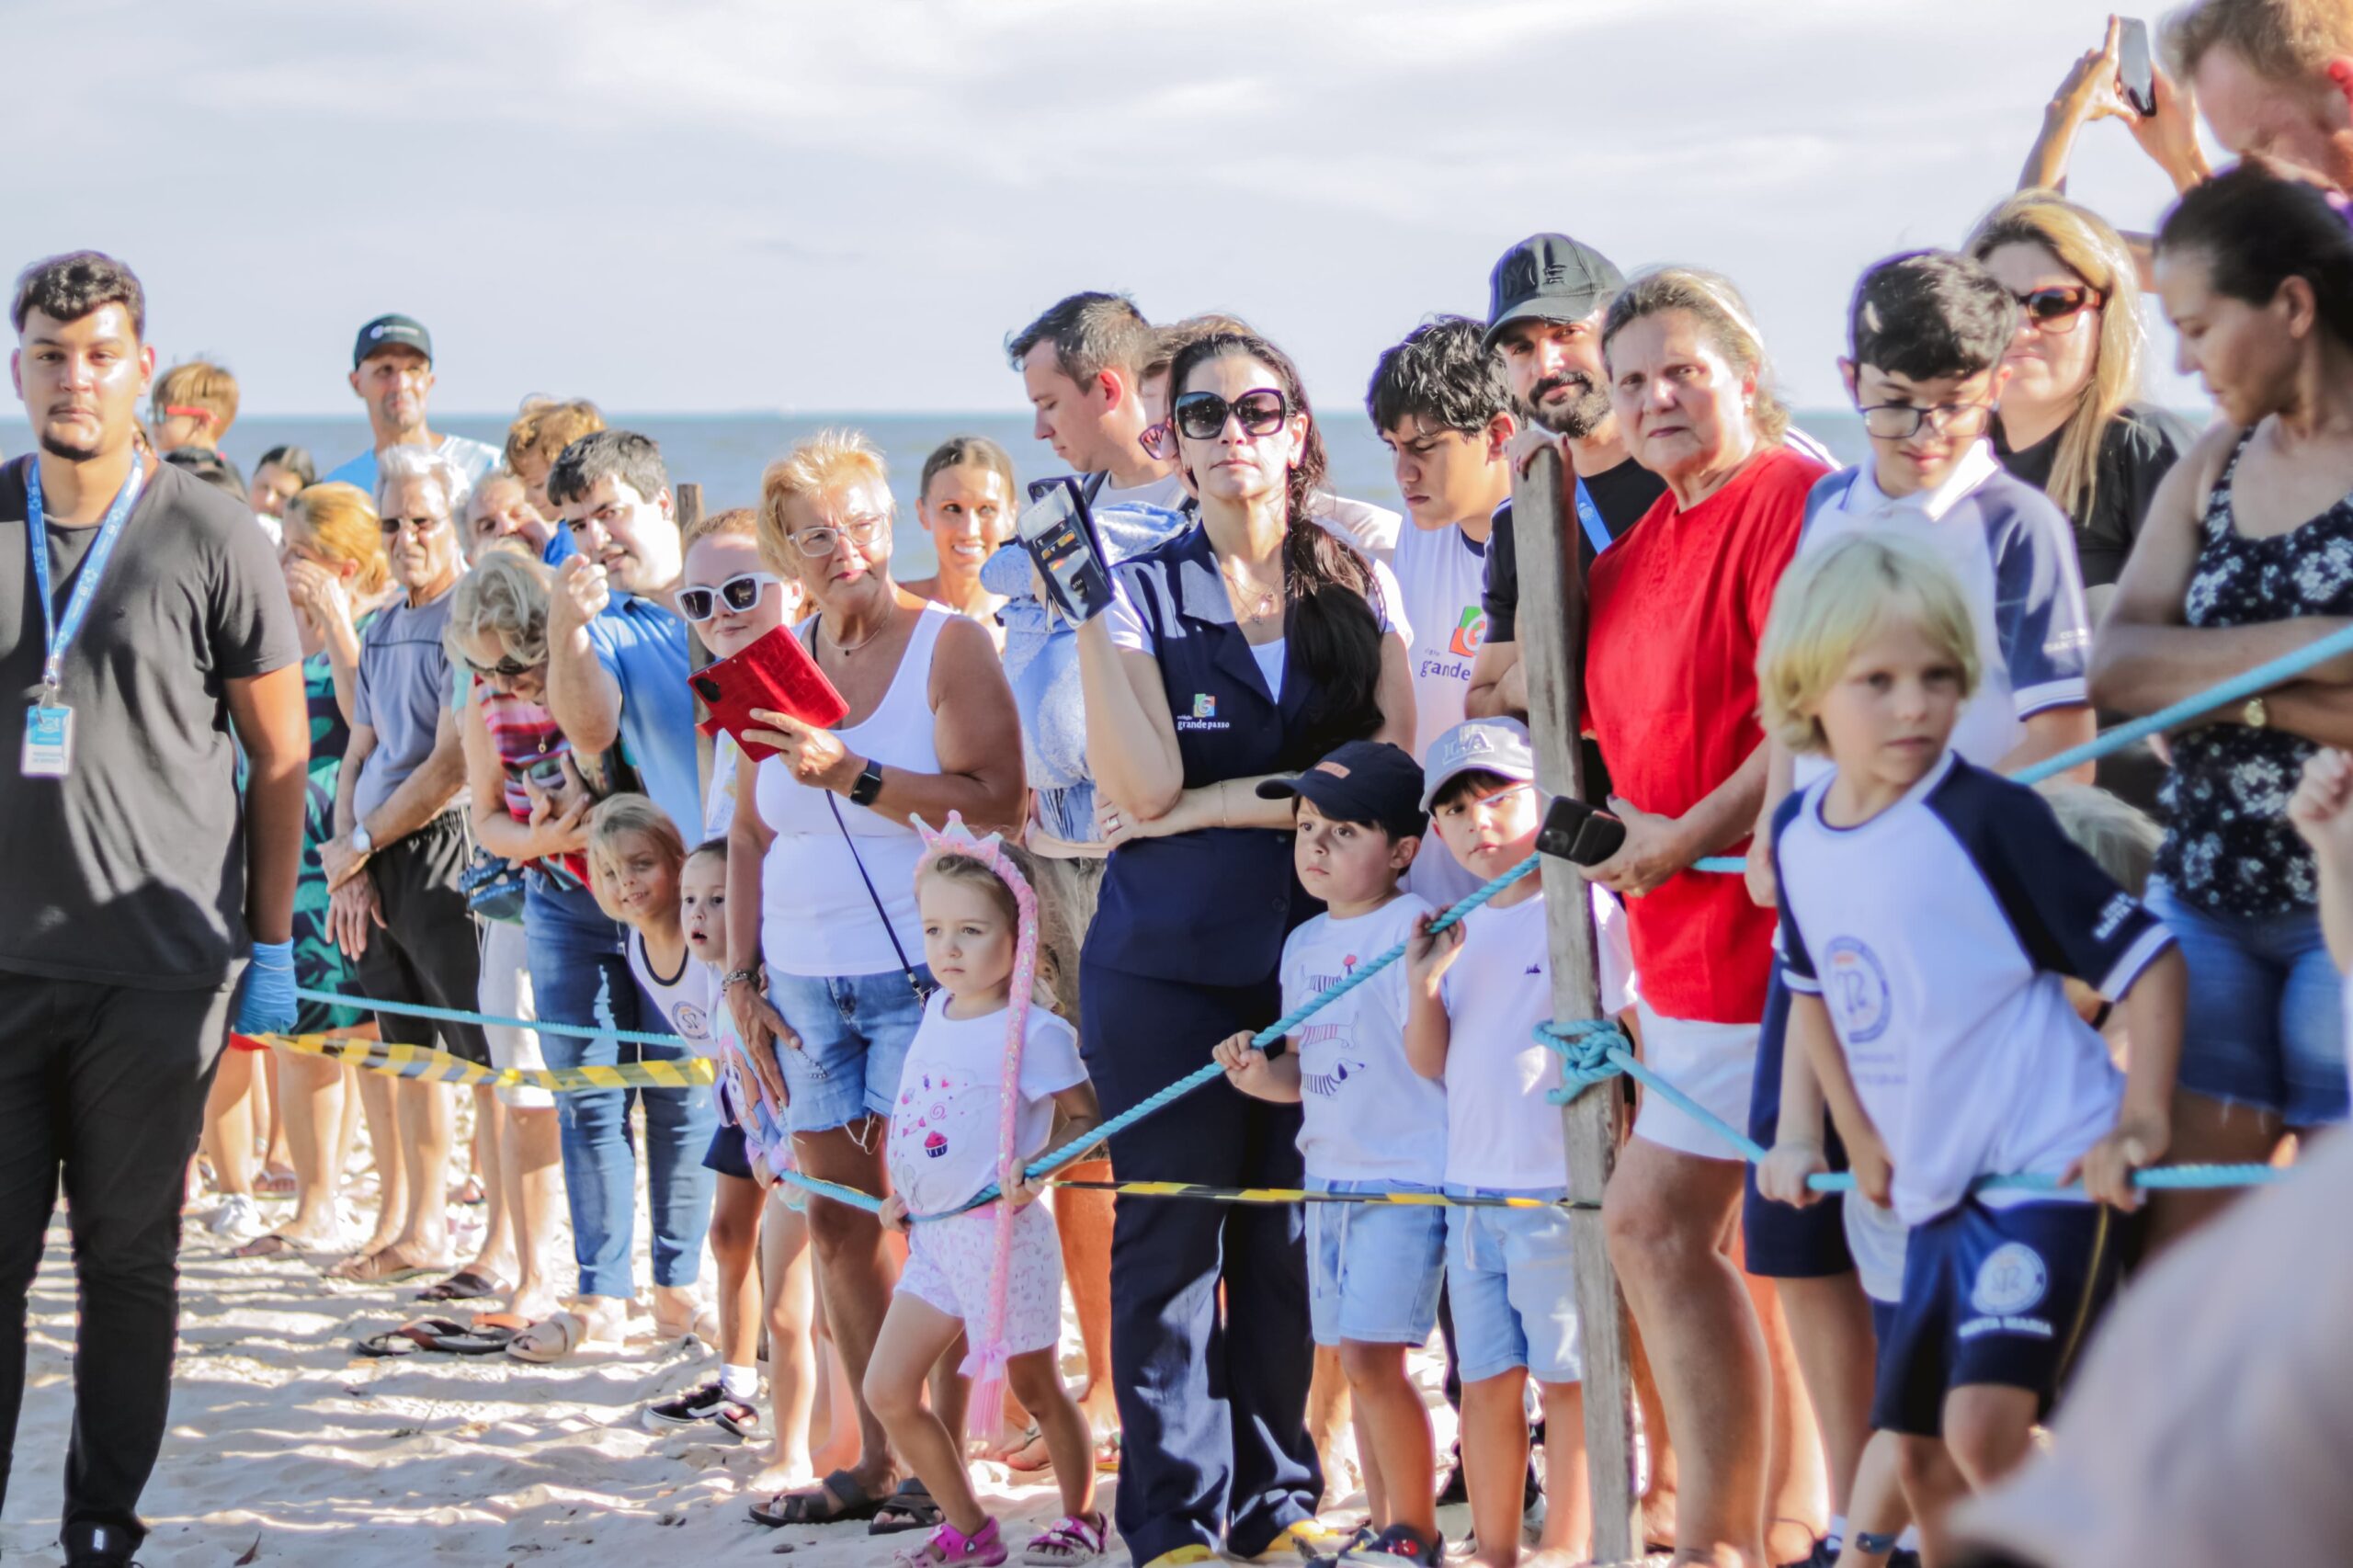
[(333, 553), (2071, 420)]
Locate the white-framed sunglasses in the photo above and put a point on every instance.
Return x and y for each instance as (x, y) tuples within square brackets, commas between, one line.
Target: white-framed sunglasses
[(738, 594)]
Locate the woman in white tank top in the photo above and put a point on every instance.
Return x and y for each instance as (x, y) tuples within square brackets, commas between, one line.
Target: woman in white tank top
[(824, 948)]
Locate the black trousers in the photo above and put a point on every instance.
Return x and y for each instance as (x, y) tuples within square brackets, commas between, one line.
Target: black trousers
[(107, 1086), (428, 950)]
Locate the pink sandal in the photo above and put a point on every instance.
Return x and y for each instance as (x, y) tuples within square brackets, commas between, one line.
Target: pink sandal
[(946, 1544), (1071, 1539)]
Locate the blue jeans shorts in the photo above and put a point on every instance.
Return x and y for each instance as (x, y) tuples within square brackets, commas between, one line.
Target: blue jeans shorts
[(854, 1032), (1512, 1290), (2266, 1024), (1373, 1269)]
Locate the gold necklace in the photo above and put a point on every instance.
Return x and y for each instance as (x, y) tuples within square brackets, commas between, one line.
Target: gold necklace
[(1242, 588), (845, 649)]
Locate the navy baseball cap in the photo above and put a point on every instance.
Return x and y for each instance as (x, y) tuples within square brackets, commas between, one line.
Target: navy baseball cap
[(1552, 278), (1364, 781), (1501, 746), (391, 331)]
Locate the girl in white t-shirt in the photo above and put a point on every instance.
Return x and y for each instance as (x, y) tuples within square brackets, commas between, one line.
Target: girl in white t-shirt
[(988, 1071)]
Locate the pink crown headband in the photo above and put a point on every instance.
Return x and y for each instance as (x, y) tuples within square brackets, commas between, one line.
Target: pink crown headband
[(985, 1362)]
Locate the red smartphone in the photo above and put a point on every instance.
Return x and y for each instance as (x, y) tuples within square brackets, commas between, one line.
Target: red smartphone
[(775, 673)]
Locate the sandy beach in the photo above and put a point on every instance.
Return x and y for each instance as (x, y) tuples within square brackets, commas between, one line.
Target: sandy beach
[(286, 1447)]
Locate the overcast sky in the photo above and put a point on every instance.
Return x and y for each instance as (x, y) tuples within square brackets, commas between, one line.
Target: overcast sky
[(715, 206)]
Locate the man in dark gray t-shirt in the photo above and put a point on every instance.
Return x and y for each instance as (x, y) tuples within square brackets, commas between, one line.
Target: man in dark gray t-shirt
[(142, 887)]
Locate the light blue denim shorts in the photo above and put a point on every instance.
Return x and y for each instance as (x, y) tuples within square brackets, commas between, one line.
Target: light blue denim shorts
[(855, 1030), (1511, 1289), (1373, 1269)]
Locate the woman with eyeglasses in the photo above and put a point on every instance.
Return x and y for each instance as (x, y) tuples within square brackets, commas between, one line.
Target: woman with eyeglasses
[(333, 554), (2247, 555), (2072, 420), (825, 953), (1250, 645)]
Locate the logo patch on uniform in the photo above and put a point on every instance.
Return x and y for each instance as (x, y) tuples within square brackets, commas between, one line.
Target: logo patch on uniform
[(1855, 987), (1204, 705), (2011, 1279), (1471, 633)]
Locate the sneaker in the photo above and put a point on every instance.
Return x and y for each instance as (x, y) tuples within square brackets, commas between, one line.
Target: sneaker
[(1305, 1541), (237, 1219), (1397, 1544), (710, 1402)]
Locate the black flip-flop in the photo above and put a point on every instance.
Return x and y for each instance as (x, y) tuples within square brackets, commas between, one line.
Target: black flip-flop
[(839, 1495), (435, 1333), (910, 1508), (465, 1285)]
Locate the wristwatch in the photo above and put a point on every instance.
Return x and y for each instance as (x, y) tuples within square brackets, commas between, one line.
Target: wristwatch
[(2255, 715), (360, 842), (868, 785)]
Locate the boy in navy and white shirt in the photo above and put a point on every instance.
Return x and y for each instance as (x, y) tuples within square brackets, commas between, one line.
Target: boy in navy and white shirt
[(1931, 911), (1368, 1122)]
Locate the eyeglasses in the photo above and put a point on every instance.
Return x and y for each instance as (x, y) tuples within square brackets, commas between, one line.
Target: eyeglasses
[(418, 526), (815, 544), (1159, 441), (1901, 421), (505, 669), (1203, 415), (2059, 308), (739, 593)]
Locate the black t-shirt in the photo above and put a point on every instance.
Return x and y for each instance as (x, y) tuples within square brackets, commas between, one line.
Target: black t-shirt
[(130, 871), (1621, 494), (2139, 445)]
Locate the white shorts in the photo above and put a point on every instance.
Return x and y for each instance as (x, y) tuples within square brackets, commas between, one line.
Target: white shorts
[(507, 993), (1614, 947), (950, 1261), (1713, 1063)]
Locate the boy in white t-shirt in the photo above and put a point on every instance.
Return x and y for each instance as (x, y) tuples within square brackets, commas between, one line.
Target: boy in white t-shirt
[(1930, 911), (1368, 1122), (1441, 403), (1476, 994)]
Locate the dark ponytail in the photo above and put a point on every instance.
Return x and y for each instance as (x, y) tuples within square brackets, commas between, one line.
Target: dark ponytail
[(2256, 229), (1330, 593)]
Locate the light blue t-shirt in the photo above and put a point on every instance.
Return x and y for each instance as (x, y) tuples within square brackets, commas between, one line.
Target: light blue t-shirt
[(404, 671), (474, 459), (645, 647)]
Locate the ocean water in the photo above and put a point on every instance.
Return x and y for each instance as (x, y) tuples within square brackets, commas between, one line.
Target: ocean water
[(726, 453)]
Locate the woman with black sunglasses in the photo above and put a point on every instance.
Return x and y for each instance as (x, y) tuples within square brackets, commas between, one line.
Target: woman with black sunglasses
[(1251, 644), (2070, 419)]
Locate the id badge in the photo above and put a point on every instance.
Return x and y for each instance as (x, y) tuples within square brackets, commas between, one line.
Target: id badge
[(49, 741)]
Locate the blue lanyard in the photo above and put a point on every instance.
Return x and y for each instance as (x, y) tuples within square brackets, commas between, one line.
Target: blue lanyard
[(1590, 514), (86, 586)]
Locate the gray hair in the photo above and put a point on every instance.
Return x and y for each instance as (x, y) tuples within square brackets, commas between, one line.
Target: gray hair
[(404, 464)]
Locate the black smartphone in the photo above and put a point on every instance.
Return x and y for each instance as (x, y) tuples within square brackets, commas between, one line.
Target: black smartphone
[(1578, 833), (1060, 536), (2134, 72)]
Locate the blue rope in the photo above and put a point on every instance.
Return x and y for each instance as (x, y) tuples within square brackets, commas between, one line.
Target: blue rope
[(1584, 1063), (457, 1015), (2261, 679)]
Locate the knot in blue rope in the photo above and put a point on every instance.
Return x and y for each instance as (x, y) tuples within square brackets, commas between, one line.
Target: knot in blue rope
[(1583, 1047)]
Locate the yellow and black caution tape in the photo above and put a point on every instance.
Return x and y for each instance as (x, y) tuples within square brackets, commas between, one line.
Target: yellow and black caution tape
[(1271, 1194), (433, 1066)]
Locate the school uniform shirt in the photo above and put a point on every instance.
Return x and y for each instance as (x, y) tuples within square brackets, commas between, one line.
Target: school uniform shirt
[(1365, 1114), (1938, 934), (2013, 552), (1501, 1132), (1440, 575), (1678, 606), (943, 1142), (688, 999)]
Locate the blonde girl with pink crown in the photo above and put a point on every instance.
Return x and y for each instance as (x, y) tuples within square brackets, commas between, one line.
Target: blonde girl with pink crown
[(992, 1081)]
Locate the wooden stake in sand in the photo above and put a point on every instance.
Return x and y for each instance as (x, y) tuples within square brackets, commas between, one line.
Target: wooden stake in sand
[(686, 509), (1551, 639)]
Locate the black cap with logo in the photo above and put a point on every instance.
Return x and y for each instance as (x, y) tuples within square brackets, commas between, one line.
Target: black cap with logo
[(1363, 781), (1550, 278), (391, 331)]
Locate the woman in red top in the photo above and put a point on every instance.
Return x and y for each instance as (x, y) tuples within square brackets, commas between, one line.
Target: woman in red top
[(1679, 605)]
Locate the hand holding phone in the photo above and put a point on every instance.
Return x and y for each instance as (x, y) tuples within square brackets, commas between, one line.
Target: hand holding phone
[(1578, 833), (775, 673), (1059, 533), (2135, 72)]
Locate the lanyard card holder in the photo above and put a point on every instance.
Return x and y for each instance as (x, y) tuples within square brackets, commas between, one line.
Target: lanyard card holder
[(1059, 533)]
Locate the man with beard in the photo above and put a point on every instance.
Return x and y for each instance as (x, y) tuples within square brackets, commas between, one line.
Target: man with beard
[(1546, 297), (391, 371), (145, 630)]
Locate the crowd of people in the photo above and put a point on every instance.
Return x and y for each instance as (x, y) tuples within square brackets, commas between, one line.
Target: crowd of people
[(418, 738)]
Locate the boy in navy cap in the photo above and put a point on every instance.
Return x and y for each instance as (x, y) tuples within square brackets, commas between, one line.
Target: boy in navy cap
[(1370, 1123)]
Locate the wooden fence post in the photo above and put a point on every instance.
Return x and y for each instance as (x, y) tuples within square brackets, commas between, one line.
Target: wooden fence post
[(1551, 640)]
